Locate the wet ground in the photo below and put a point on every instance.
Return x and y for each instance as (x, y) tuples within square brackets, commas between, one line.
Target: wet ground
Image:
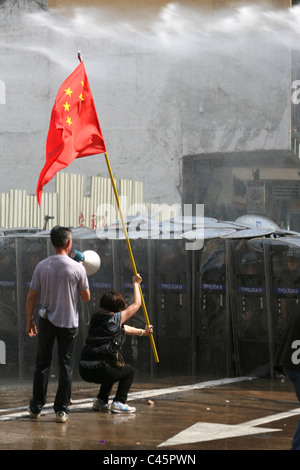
[(174, 415)]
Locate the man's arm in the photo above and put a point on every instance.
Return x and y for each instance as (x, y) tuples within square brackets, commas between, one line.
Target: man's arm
[(85, 295), (31, 297)]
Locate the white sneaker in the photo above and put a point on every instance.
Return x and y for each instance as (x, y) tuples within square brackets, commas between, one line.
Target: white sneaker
[(61, 417), (118, 407), (100, 405), (33, 415)]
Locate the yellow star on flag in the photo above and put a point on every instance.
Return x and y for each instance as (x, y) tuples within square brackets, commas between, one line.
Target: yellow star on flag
[(68, 121), (66, 106), (68, 91), (81, 97)]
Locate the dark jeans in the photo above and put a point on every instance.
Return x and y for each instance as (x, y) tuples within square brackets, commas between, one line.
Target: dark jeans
[(107, 376), (66, 342), (294, 376)]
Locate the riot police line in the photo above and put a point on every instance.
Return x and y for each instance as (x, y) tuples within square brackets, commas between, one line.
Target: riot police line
[(217, 311)]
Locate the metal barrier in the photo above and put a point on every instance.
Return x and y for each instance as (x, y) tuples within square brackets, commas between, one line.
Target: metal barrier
[(218, 311)]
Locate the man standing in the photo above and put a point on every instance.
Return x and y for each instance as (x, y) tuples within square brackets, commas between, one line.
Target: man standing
[(58, 279)]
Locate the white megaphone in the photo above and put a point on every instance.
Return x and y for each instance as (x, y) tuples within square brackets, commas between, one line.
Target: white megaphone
[(90, 260)]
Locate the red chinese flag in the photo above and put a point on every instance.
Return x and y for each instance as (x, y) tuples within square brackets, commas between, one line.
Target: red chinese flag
[(74, 129)]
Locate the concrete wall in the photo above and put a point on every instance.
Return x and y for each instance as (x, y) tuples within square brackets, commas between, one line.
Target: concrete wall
[(177, 82)]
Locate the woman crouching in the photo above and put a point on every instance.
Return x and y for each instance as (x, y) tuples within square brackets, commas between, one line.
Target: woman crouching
[(101, 361)]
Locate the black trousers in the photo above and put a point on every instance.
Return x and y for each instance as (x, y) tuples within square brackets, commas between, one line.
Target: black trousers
[(66, 342), (107, 376)]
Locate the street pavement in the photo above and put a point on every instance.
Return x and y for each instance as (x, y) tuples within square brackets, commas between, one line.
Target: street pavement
[(177, 416)]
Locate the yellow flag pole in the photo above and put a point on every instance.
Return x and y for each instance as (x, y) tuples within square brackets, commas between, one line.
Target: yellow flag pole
[(131, 255)]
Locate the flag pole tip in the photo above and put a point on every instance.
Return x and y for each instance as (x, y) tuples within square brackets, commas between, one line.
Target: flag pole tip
[(79, 56)]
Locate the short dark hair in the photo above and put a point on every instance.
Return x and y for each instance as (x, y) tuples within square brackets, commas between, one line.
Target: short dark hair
[(112, 301), (60, 235)]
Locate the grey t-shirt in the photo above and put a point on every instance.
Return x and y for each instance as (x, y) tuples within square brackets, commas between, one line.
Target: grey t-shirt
[(59, 279)]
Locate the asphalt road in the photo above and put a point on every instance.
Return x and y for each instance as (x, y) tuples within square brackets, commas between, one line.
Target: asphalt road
[(179, 416)]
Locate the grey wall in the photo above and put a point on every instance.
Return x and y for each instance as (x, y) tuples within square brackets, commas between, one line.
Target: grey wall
[(172, 85)]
